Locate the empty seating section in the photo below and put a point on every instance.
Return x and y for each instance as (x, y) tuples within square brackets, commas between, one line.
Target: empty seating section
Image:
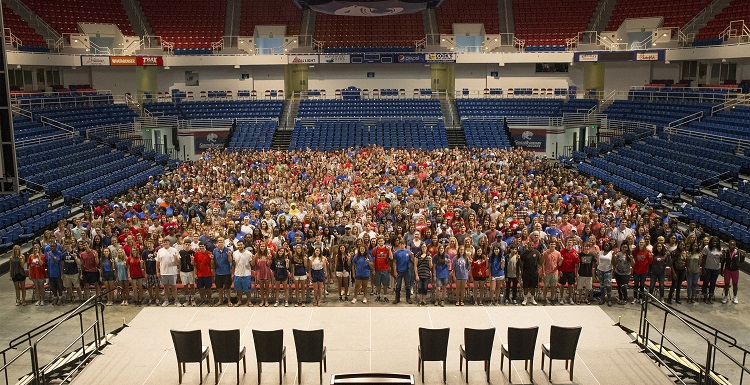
[(699, 166), (20, 218), (356, 32), (186, 23), (734, 123), (485, 134), (84, 118), (729, 213), (252, 136), (115, 183), (269, 12), (579, 106), (219, 109), (26, 129), (66, 153), (719, 151), (549, 23), (20, 29), (736, 10), (64, 16), (335, 135), (468, 12), (630, 180), (675, 13), (508, 107), (379, 108), (60, 99), (660, 114)]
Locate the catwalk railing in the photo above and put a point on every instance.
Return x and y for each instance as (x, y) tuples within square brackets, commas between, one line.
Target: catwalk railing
[(701, 365)]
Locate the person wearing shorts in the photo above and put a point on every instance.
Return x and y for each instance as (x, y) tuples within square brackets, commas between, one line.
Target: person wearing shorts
[(90, 267), (497, 271), (299, 262), (168, 261), (441, 271), (152, 279), (187, 273), (223, 265), (242, 261), (362, 265), (570, 259), (383, 257), (281, 273), (53, 254), (204, 271), (18, 275), (551, 263), (730, 265), (71, 272)]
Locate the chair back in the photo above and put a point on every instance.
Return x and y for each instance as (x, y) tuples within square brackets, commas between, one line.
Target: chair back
[(269, 345), (563, 342), (225, 345), (478, 343), (188, 345), (309, 345), (434, 343), (521, 343)]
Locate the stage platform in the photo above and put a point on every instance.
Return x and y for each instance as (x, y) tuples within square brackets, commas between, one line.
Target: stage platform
[(362, 339)]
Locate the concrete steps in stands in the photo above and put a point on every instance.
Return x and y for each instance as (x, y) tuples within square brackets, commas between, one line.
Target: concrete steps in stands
[(281, 139)]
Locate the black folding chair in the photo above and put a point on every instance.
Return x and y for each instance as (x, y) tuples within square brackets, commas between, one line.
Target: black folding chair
[(433, 346), (562, 345), (478, 348), (310, 348), (188, 346), (269, 347), (226, 347), (520, 346)]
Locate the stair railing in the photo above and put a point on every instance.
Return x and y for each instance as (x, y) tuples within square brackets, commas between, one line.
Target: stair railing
[(705, 370)]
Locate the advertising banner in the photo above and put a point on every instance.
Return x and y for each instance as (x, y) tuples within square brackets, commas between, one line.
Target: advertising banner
[(367, 8), (532, 140), (410, 58), (87, 60), (209, 140), (150, 61), (647, 56), (303, 59), (129, 61), (335, 59), (584, 57), (441, 57)]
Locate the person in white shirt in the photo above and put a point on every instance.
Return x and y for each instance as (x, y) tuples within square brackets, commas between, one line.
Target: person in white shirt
[(168, 259), (243, 262)]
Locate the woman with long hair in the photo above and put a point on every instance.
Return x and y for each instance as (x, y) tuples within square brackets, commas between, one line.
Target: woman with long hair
[(642, 257), (342, 261), (423, 273), (362, 267), (623, 263), (496, 262), (135, 268), (282, 273), (461, 265), (711, 267), (479, 276), (678, 264), (604, 273), (657, 271), (37, 265), (299, 268), (18, 275), (441, 268), (107, 266), (318, 268), (121, 270), (263, 272), (693, 270)]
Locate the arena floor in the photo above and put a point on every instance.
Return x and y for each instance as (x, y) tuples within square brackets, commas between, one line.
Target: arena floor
[(374, 339)]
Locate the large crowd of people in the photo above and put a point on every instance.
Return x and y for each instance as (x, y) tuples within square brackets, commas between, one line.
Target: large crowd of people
[(449, 226)]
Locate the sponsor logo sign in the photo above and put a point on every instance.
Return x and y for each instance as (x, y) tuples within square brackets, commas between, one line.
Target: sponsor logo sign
[(123, 61), (88, 60), (410, 58), (303, 59), (588, 57), (647, 56), (532, 140), (150, 61), (441, 57), (209, 140), (335, 59)]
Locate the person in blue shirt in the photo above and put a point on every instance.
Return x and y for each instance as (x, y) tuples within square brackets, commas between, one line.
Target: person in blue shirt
[(223, 261), (401, 258), (497, 271), (362, 265), (53, 254), (441, 267)]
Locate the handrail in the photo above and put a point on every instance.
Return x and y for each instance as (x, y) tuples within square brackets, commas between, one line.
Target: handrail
[(7, 363), (740, 99), (705, 371), (686, 119), (700, 16), (11, 39), (36, 20), (599, 15), (59, 125), (736, 28)]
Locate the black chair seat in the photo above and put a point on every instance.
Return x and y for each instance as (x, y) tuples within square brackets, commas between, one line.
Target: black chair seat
[(227, 349), (310, 348), (188, 347), (478, 348), (520, 347), (562, 346), (435, 343), (269, 347)]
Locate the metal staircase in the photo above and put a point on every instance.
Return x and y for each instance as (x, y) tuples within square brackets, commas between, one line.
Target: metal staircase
[(505, 10), (601, 15), (700, 20), (453, 129), (688, 367), (232, 18), (137, 18), (281, 139), (35, 21)]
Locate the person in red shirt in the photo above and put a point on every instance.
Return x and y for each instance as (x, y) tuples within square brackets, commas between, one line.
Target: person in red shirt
[(383, 256), (570, 259), (479, 275), (37, 273), (204, 271), (643, 259)]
